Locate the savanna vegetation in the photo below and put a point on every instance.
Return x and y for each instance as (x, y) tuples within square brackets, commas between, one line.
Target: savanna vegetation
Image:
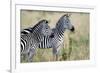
[(76, 45)]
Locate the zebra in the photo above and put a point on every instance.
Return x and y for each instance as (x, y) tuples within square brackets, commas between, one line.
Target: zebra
[(31, 41), (55, 40)]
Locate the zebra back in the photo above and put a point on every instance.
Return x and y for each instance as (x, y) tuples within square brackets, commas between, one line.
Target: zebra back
[(33, 36)]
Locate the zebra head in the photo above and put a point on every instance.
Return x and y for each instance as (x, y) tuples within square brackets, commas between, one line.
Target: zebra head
[(65, 22), (46, 30), (41, 27)]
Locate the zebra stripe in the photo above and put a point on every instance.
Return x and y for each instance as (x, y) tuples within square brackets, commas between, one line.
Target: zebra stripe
[(23, 43), (55, 40), (30, 40)]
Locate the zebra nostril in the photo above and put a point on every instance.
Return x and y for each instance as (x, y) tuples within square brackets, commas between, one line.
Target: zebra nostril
[(72, 29), (46, 21)]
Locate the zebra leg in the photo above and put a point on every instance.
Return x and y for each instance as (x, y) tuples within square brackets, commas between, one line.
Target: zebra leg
[(31, 55), (55, 57), (24, 56), (56, 52)]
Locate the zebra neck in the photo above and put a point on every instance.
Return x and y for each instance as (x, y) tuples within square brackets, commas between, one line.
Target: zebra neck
[(60, 32), (60, 29), (38, 36)]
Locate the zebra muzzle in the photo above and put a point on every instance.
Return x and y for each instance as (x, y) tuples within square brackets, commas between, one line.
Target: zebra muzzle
[(72, 29)]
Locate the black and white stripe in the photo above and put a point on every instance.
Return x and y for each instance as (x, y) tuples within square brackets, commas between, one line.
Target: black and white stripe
[(30, 41), (55, 40), (26, 31)]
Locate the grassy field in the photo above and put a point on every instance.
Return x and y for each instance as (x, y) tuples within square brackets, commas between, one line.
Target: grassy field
[(76, 45)]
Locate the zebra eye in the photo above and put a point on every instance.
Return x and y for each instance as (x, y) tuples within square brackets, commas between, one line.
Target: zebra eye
[(46, 27), (67, 21)]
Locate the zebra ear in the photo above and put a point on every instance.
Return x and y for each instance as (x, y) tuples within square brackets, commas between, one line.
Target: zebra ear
[(68, 14)]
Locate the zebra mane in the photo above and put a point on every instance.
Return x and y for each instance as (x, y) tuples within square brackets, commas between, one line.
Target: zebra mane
[(31, 29), (39, 23)]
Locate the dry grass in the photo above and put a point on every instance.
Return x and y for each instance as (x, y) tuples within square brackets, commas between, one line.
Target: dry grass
[(76, 45)]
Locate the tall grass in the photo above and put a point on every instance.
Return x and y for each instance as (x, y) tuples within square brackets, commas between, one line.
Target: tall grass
[(76, 45)]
